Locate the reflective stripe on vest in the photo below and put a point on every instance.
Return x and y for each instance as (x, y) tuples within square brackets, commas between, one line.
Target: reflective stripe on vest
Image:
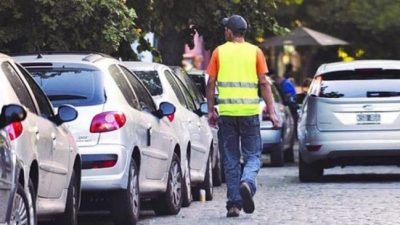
[(237, 80)]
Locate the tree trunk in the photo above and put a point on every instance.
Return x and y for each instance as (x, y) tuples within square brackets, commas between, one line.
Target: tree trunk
[(171, 46)]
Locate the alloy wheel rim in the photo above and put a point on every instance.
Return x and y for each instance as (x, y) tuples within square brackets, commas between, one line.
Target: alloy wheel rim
[(134, 193), (176, 183), (20, 212)]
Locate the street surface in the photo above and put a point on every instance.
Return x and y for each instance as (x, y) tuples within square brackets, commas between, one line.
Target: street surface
[(353, 195)]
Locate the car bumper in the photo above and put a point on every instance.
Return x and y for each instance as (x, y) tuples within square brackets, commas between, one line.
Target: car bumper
[(270, 137), (110, 178), (351, 148)]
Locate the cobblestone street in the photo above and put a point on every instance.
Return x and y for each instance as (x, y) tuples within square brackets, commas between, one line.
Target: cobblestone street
[(353, 195)]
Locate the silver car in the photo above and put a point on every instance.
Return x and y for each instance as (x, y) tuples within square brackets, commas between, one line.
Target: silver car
[(14, 208), (350, 116), (165, 86), (51, 165), (126, 142), (278, 142)]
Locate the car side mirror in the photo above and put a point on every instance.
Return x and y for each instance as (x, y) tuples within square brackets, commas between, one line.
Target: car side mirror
[(203, 110), (10, 114), (166, 109), (66, 113)]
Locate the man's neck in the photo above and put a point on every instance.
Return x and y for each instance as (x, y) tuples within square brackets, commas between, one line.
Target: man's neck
[(238, 40)]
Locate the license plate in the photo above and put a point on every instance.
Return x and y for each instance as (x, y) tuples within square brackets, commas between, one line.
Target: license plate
[(368, 118)]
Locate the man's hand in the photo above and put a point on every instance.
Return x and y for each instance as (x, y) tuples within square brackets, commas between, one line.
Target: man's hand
[(212, 118), (274, 119)]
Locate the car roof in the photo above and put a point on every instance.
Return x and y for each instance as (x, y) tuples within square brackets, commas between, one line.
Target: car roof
[(196, 72), (142, 66), (359, 64), (73, 57)]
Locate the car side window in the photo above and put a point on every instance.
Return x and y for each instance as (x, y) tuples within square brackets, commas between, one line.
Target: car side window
[(45, 107), (145, 100), (176, 88), (193, 89), (189, 98), (18, 86), (123, 85)]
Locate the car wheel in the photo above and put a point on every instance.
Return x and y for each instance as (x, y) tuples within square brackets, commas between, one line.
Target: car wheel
[(23, 211), (208, 180), (125, 203), (170, 203), (186, 187), (277, 155), (309, 173), (289, 154), (217, 171), (70, 216)]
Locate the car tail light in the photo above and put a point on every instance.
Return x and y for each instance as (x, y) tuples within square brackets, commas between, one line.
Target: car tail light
[(171, 117), (14, 130), (103, 164), (107, 121), (313, 148)]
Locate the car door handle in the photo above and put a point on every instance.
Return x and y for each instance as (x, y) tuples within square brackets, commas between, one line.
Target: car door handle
[(36, 131)]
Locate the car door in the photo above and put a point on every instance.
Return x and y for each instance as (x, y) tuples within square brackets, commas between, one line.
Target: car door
[(158, 151), (36, 141), (60, 145), (192, 121)]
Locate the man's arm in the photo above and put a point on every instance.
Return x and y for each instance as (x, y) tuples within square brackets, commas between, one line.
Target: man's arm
[(266, 93), (212, 115)]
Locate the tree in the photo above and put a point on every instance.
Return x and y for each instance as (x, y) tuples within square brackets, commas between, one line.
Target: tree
[(174, 21), (51, 25)]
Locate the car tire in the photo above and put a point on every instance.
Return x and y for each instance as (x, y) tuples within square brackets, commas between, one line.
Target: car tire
[(170, 202), (126, 203), (217, 171), (289, 153), (70, 215), (208, 180), (277, 155), (309, 173), (23, 211), (186, 187)]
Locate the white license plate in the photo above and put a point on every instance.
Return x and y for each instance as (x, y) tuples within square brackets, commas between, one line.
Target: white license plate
[(368, 118)]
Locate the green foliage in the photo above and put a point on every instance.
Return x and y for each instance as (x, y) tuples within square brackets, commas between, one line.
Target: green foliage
[(53, 25), (370, 25)]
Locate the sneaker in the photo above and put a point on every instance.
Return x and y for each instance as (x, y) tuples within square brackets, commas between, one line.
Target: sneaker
[(233, 212), (247, 198)]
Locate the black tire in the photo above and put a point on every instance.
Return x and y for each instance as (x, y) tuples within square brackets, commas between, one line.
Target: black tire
[(70, 215), (170, 202), (126, 203), (217, 171), (186, 187), (277, 155), (23, 211), (208, 180), (309, 173), (289, 153)]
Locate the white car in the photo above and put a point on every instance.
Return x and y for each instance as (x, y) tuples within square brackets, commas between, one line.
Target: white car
[(51, 165), (126, 142), (165, 86)]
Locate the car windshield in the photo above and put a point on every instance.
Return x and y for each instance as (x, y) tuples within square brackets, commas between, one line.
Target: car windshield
[(360, 83), (75, 86), (151, 80)]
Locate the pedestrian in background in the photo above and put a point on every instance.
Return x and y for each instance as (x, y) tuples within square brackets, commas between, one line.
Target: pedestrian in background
[(239, 68)]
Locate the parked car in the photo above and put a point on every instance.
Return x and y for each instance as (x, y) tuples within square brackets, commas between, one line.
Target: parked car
[(350, 116), (15, 208), (129, 150), (199, 78), (278, 142), (199, 98), (51, 165), (164, 86)]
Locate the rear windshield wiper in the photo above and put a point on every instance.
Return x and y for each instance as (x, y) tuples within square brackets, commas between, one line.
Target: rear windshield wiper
[(372, 94), (65, 97)]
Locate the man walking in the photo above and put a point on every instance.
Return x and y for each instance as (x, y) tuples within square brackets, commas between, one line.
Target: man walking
[(239, 68)]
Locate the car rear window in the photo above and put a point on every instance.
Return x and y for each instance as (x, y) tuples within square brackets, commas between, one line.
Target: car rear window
[(75, 86), (151, 80), (357, 84)]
